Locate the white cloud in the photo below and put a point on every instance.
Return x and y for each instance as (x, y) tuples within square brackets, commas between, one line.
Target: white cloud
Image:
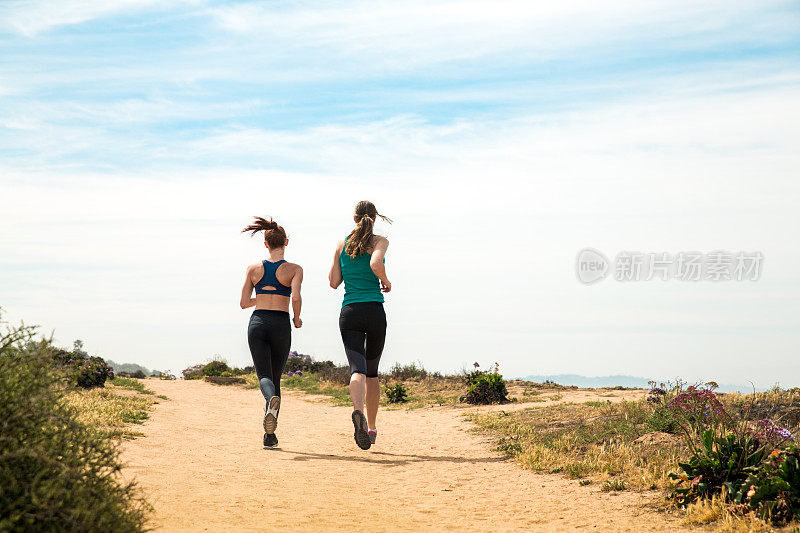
[(33, 17), (496, 207), (389, 35)]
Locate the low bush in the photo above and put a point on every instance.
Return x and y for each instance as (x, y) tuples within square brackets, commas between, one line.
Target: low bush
[(335, 374), (81, 370), (216, 368), (56, 473), (397, 393), (193, 372), (298, 362), (411, 371), (137, 375), (753, 467), (486, 387)]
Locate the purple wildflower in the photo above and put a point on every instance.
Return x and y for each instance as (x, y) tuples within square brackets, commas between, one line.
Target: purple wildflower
[(656, 395), (771, 432)]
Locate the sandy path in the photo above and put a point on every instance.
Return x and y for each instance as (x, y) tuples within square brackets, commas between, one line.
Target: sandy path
[(202, 466)]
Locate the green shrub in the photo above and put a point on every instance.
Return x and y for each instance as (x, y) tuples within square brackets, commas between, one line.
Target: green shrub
[(773, 489), (56, 474), (663, 419), (193, 372), (397, 393), (216, 368), (721, 461), (487, 388), (136, 375), (471, 377), (163, 375), (755, 466), (335, 374), (80, 369), (408, 372)]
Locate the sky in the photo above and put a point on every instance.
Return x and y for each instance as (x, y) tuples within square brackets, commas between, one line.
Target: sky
[(137, 138)]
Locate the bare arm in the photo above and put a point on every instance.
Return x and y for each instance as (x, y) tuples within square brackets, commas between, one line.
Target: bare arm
[(297, 300), (247, 299), (377, 265), (335, 275)]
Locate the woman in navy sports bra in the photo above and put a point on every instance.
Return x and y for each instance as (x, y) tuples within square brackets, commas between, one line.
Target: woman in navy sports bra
[(359, 263), (269, 334)]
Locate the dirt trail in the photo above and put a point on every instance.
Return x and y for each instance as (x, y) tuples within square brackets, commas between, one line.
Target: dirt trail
[(202, 466)]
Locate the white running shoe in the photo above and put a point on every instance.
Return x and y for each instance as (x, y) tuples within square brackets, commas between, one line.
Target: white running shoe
[(271, 414)]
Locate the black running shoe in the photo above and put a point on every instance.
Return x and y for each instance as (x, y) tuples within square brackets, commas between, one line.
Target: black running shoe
[(270, 440), (361, 435)]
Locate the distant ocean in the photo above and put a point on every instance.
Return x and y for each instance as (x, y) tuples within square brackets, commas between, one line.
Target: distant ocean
[(624, 381)]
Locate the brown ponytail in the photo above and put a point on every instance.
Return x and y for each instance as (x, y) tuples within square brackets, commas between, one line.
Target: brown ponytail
[(359, 239), (274, 235)]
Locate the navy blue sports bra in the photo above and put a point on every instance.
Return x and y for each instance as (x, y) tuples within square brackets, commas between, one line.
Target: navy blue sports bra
[(269, 279)]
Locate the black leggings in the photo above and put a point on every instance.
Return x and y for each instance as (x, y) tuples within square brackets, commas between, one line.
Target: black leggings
[(269, 335), (363, 327)]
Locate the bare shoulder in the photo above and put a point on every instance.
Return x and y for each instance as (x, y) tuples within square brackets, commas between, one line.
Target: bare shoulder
[(340, 246), (379, 240), (254, 272), (295, 267)]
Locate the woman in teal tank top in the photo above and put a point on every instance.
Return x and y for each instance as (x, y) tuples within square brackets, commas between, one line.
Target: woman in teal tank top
[(359, 262)]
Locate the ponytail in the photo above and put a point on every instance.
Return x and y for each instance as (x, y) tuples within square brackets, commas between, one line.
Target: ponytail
[(274, 235), (360, 238)]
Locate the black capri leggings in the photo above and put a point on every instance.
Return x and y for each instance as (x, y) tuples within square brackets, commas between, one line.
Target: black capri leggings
[(269, 335), (363, 327)]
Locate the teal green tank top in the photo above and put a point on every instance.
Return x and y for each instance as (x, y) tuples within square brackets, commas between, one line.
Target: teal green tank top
[(360, 282)]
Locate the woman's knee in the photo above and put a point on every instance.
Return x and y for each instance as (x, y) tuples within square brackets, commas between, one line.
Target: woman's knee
[(358, 377)]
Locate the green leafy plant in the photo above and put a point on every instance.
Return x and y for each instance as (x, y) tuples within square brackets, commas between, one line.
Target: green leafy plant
[(80, 369), (216, 368), (746, 464), (722, 461), (56, 473), (486, 387), (772, 489), (397, 393)]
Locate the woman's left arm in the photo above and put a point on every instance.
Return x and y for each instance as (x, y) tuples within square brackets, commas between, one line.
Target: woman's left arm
[(297, 300), (377, 265)]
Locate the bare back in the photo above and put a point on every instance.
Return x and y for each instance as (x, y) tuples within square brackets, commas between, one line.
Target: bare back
[(287, 274)]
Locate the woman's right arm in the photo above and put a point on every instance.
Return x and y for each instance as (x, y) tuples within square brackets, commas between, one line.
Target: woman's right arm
[(247, 299), (377, 265), (335, 275)]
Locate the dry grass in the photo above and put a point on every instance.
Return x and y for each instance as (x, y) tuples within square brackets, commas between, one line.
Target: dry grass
[(423, 391), (115, 408), (714, 512), (591, 440)]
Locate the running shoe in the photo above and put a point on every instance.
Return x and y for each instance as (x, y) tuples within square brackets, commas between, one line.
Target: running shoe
[(361, 435), (373, 434), (270, 440), (271, 414)]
